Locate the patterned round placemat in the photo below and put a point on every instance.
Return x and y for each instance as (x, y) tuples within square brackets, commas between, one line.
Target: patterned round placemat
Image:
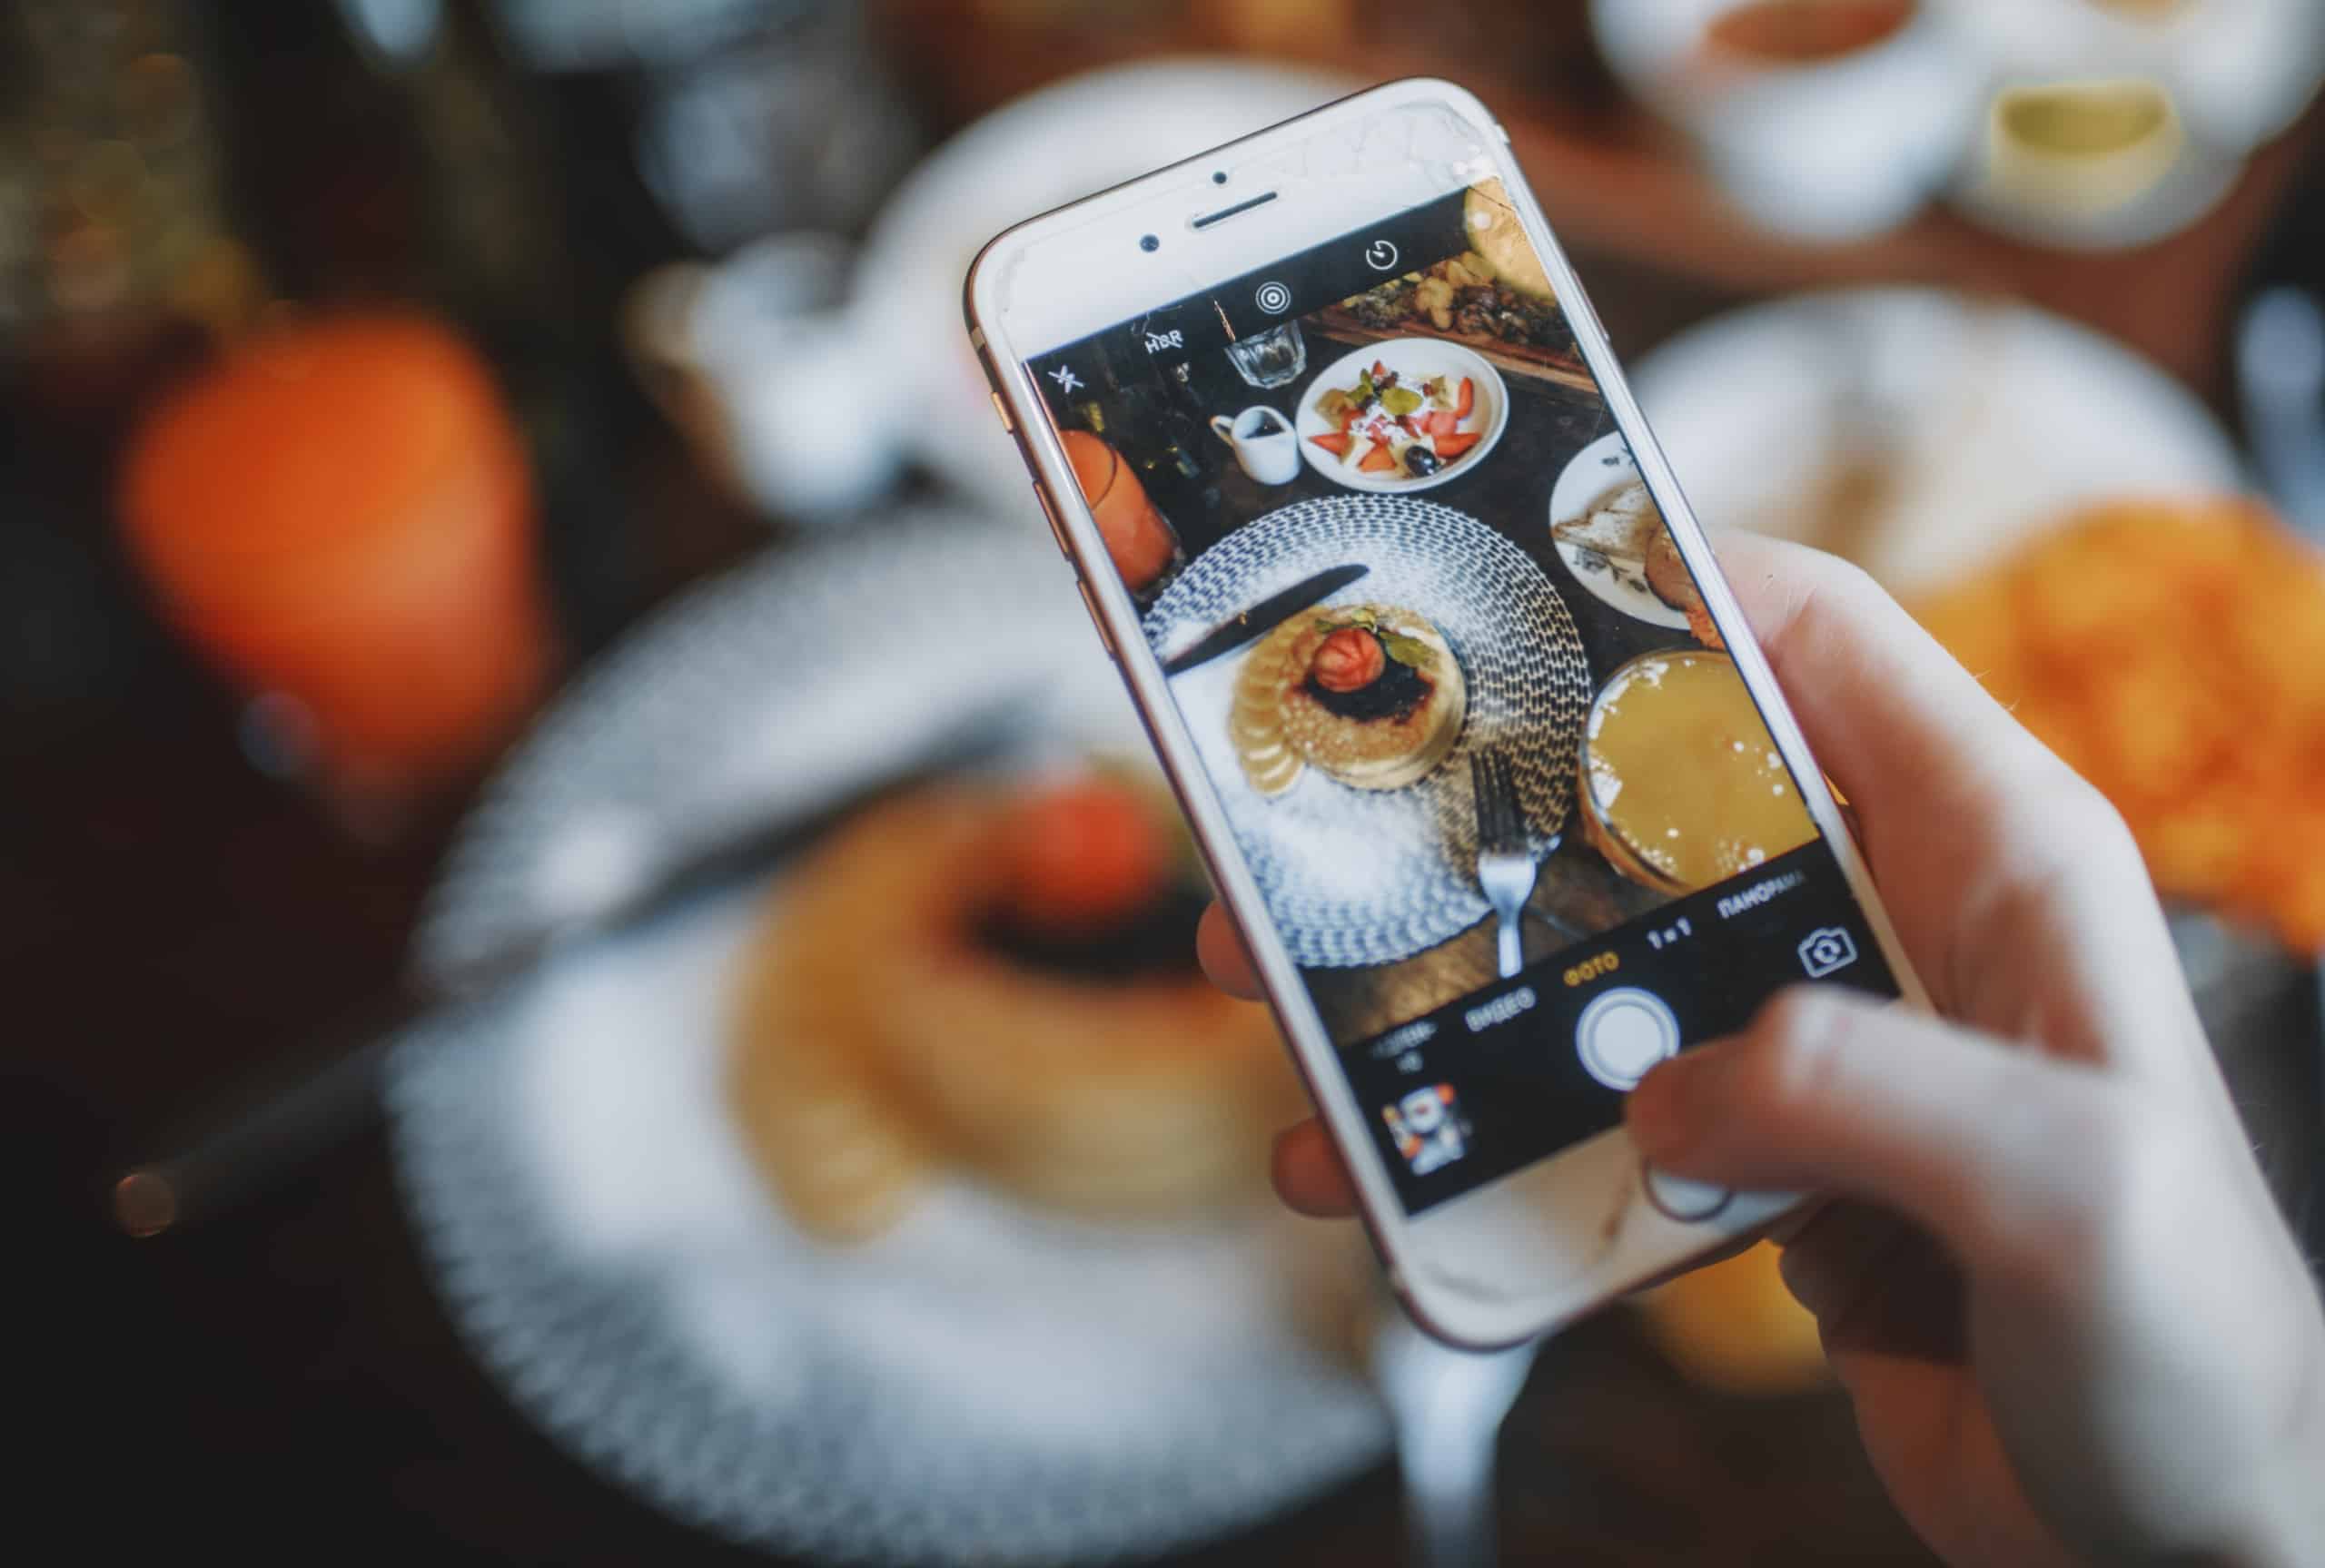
[(1356, 877)]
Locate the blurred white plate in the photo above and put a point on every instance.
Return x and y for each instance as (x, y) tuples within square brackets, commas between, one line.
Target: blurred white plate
[(1039, 151), (723, 347), (2199, 180), (1414, 359), (985, 1383), (2242, 71), (1597, 468), (2002, 420), (1847, 147)]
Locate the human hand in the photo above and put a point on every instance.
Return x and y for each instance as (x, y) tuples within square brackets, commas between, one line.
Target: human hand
[(2048, 1272)]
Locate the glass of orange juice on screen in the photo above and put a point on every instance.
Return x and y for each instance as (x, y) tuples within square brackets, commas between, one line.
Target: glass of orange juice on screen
[(1139, 538), (339, 513)]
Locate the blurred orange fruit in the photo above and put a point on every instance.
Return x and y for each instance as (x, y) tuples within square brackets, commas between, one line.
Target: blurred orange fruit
[(1081, 857), (341, 512)]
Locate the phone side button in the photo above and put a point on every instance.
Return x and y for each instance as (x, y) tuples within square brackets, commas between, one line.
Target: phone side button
[(1095, 619), (1008, 426), (1049, 512)]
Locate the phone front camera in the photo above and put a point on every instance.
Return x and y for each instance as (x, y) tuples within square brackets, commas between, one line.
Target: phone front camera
[(1150, 244), (1219, 176)]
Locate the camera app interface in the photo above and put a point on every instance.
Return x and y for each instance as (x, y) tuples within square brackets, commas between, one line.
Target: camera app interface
[(1512, 809)]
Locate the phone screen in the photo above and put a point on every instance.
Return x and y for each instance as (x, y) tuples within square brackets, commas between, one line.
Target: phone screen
[(1511, 807)]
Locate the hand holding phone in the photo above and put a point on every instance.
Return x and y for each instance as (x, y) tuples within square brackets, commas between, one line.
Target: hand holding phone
[(2035, 1213), (2052, 1279)]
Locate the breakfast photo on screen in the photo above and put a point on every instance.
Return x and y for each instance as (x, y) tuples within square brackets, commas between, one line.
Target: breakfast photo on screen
[(1458, 691)]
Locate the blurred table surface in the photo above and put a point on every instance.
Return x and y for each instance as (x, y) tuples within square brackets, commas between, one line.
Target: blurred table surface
[(1648, 229), (283, 1380)]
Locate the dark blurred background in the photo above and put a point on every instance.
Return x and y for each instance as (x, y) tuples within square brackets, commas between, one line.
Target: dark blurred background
[(356, 392)]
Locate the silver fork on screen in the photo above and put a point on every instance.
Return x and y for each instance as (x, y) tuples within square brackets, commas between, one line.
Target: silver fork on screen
[(1506, 869)]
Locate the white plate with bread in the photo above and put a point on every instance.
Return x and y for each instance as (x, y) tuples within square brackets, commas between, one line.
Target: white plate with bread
[(1607, 531)]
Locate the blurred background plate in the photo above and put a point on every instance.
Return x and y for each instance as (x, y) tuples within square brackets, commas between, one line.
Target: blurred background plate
[(1038, 151), (1920, 432), (983, 1383), (2198, 181)]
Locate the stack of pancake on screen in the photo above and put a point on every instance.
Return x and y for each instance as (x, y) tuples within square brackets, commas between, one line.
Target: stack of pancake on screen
[(1368, 694)]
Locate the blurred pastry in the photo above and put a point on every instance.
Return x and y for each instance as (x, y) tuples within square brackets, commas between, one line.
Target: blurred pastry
[(1003, 983), (1369, 694), (2173, 654)]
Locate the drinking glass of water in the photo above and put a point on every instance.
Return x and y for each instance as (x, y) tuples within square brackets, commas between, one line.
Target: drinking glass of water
[(1275, 358)]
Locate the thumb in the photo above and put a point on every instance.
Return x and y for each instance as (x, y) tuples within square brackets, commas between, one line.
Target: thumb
[(1829, 1092)]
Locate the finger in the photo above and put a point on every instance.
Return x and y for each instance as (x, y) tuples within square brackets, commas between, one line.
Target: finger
[(1781, 1231), (1785, 1230), (1829, 1264), (1224, 957), (1910, 1306), (1825, 1090), (1975, 830), (1879, 1288), (1309, 1175), (1849, 657)]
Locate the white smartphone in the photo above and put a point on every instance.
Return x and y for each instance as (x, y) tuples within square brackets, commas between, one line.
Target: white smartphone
[(1479, 748)]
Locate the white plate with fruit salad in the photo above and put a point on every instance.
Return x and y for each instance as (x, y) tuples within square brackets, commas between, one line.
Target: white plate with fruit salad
[(1405, 414)]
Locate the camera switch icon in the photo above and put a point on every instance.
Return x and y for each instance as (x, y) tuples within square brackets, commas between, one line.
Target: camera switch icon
[(1826, 948)]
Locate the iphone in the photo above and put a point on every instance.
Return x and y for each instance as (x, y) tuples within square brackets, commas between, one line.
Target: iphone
[(1478, 749)]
